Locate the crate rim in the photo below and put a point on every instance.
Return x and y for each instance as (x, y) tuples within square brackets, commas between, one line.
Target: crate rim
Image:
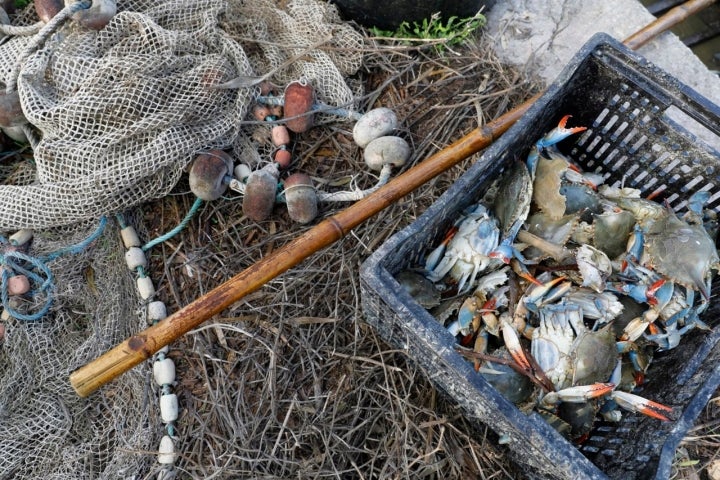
[(400, 300)]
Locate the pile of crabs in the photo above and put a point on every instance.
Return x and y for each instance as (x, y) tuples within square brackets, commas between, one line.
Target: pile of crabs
[(565, 287)]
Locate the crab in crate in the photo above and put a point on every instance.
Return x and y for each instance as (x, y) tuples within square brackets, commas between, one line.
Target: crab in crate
[(598, 280), (481, 236), (617, 293), (571, 364), (465, 251)]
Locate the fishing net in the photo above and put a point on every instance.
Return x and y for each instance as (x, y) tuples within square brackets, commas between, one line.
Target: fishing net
[(115, 116)]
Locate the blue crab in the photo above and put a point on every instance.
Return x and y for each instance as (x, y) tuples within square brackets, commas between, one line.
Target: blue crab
[(681, 251), (568, 353), (465, 251), (551, 171)]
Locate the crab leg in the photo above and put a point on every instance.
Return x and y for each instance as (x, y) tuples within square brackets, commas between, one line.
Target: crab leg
[(545, 293), (512, 343), (558, 252), (436, 264), (578, 394), (556, 135), (635, 403)]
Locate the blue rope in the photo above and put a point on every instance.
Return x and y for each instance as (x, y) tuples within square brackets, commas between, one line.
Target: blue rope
[(121, 220), (37, 272), (193, 210), (45, 284), (78, 247)]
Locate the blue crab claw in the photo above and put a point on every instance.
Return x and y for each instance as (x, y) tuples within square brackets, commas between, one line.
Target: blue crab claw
[(481, 343), (433, 259), (634, 248), (637, 326), (660, 293), (635, 403), (506, 252), (578, 394), (546, 293), (556, 135), (575, 175), (512, 343), (469, 311), (559, 133), (640, 363)]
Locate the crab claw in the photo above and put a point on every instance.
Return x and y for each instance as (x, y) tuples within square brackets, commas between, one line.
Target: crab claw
[(576, 175), (512, 343), (637, 326), (578, 394), (481, 342), (466, 315), (432, 260), (507, 253), (584, 393), (656, 294), (559, 133), (521, 270), (503, 252), (635, 403), (544, 293)]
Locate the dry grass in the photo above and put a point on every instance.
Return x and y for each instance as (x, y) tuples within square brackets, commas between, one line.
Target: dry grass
[(699, 454)]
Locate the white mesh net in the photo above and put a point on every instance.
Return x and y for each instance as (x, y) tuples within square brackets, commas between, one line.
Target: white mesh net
[(123, 110), (117, 116)]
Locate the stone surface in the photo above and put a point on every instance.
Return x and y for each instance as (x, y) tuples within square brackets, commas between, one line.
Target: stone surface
[(542, 35)]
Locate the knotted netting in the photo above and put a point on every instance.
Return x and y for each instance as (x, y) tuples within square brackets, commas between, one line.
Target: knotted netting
[(114, 117)]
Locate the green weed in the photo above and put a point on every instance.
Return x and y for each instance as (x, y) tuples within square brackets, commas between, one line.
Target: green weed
[(451, 32)]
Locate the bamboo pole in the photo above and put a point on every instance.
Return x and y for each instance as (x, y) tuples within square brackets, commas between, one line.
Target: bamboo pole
[(143, 345), (665, 22)]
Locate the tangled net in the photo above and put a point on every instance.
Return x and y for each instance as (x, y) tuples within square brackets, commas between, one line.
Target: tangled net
[(114, 118)]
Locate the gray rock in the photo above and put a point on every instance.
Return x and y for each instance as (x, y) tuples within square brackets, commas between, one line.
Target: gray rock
[(542, 35)]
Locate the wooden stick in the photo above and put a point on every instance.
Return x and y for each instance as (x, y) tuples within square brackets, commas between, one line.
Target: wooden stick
[(665, 22), (142, 346)]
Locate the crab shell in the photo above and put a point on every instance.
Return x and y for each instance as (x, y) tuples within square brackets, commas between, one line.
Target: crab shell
[(515, 387), (546, 187), (568, 352), (512, 203), (420, 288), (555, 231), (612, 231), (682, 252), (594, 266), (470, 248)]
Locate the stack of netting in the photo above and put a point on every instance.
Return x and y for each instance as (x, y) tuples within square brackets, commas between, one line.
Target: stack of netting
[(114, 117)]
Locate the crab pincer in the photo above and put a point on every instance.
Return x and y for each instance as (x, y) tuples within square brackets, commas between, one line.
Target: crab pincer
[(578, 394), (554, 136), (635, 403), (512, 343)]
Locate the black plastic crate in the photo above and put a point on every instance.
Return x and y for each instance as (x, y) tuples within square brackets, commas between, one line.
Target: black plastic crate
[(644, 126)]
